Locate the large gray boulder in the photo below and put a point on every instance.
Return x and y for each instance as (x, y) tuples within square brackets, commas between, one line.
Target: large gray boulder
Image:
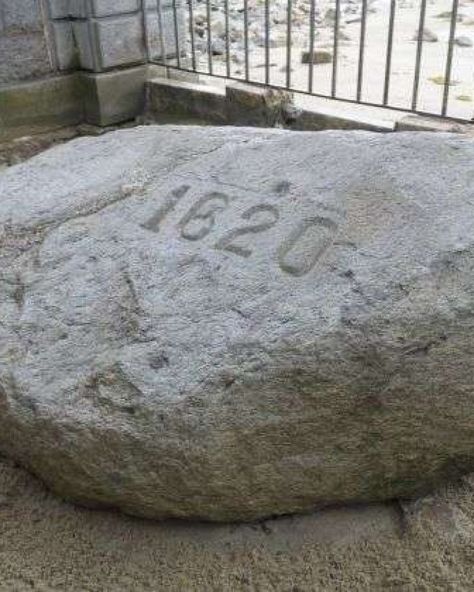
[(228, 323)]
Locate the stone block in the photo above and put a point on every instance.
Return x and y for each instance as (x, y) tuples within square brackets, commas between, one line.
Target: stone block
[(111, 42), (330, 119), (187, 76), (79, 8), (174, 100), (66, 49), (120, 41), (256, 106), (58, 9), (114, 97), (42, 105), (23, 57), (419, 123), (21, 15), (156, 71), (88, 55), (103, 8), (112, 7)]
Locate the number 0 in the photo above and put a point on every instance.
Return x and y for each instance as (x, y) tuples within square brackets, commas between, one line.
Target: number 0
[(326, 228)]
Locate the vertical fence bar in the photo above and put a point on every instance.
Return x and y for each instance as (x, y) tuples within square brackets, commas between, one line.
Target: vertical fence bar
[(449, 58), (363, 29), (312, 11), (191, 33), (176, 34), (209, 36), (419, 49), (388, 59), (161, 32), (246, 39), (337, 19), (227, 38), (267, 41), (289, 13)]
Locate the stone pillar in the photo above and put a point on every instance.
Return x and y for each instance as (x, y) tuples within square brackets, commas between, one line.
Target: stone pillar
[(106, 34), (107, 41), (100, 35)]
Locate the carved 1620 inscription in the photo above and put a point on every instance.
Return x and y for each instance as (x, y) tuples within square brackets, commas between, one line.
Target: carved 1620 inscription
[(200, 221)]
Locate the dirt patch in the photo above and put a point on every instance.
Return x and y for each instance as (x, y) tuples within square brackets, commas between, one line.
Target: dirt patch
[(20, 149), (23, 148)]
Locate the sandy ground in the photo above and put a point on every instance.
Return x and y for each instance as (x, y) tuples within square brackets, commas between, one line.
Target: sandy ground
[(46, 545), (433, 63)]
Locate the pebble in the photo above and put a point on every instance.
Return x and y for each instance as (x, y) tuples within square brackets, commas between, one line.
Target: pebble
[(463, 41), (320, 56), (428, 36)]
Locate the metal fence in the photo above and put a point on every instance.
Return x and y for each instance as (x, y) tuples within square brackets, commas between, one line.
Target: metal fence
[(414, 56)]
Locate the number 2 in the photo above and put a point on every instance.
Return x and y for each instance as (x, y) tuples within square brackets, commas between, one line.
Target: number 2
[(226, 243)]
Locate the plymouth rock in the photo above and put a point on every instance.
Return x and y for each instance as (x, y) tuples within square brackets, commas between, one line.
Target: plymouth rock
[(229, 324)]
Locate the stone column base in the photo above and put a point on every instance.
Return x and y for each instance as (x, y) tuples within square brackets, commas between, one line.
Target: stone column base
[(114, 97), (100, 99)]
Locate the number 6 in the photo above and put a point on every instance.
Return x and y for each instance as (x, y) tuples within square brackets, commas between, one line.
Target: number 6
[(206, 215)]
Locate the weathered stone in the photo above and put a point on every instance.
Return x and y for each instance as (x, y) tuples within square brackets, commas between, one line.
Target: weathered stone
[(463, 41), (319, 56), (110, 42), (218, 47), (24, 50), (273, 40), (448, 15), (23, 56), (101, 8), (186, 101), (40, 105), (427, 36), (66, 50), (21, 15), (228, 324), (113, 97), (256, 106), (59, 9)]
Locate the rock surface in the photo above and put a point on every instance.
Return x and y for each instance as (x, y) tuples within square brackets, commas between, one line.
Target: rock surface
[(233, 323)]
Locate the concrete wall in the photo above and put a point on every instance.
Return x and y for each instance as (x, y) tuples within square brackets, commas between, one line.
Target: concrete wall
[(63, 62), (40, 37), (24, 49)]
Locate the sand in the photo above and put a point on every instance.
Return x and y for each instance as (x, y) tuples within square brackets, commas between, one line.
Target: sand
[(47, 544)]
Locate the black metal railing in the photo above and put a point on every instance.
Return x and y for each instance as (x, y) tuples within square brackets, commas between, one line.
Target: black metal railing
[(383, 56)]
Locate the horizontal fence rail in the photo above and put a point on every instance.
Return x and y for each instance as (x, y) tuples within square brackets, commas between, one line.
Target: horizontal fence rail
[(415, 56)]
